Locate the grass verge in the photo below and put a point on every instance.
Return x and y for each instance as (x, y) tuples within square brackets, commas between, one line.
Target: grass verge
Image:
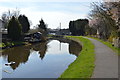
[(83, 66), (117, 50)]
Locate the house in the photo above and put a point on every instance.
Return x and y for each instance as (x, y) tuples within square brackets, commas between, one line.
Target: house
[(63, 32), (59, 32), (52, 31), (1, 25)]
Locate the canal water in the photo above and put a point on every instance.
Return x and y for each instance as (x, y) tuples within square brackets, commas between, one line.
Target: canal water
[(41, 60)]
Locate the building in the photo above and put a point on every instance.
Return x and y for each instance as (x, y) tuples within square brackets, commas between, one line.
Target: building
[(65, 32), (1, 25), (59, 32)]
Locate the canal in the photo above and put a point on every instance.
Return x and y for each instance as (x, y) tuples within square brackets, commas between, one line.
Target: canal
[(40, 60)]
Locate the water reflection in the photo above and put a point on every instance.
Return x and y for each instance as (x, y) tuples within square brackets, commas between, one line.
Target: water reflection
[(74, 48), (41, 47), (21, 54), (17, 55)]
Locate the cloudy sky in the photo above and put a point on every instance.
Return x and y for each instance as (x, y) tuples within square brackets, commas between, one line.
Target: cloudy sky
[(53, 12)]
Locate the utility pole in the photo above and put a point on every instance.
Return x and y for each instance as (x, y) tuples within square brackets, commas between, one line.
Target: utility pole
[(60, 34)]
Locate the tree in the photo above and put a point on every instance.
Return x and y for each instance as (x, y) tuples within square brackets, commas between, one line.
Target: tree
[(115, 11), (90, 30), (72, 28), (42, 25), (78, 27), (6, 16), (14, 29), (25, 23), (15, 13), (104, 23)]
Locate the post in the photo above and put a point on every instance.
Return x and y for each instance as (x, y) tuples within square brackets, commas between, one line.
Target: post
[(60, 28)]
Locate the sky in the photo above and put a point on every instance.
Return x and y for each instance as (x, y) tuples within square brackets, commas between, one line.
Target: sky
[(53, 12)]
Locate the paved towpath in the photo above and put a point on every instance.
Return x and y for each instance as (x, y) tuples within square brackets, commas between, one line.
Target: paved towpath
[(106, 63)]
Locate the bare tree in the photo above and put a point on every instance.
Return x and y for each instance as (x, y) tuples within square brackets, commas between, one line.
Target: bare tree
[(104, 22), (6, 16)]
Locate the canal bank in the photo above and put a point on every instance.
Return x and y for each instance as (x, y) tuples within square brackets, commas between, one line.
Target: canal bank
[(11, 44), (83, 66)]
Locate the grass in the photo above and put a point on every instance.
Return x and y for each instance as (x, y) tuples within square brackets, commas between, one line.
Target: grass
[(83, 66), (2, 44), (13, 43), (117, 50)]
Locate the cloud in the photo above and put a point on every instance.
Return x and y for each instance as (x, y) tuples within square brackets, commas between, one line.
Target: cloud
[(5, 9), (62, 13), (52, 13), (48, 0), (52, 18), (58, 48)]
